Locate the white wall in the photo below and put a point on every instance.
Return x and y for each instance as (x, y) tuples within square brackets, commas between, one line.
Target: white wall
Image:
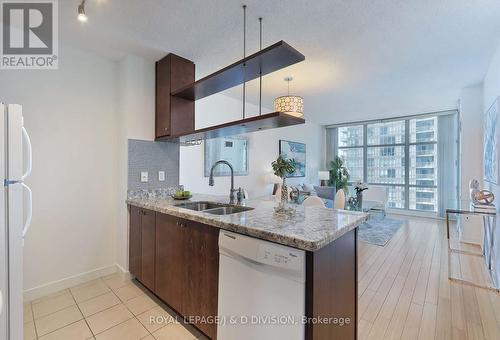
[(471, 135), (492, 81), (263, 149), (70, 114), (471, 113), (136, 112)]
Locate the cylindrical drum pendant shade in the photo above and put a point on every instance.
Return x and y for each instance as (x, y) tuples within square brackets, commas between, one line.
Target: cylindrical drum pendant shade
[(293, 105)]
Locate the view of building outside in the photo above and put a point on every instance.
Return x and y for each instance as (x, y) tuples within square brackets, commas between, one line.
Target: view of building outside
[(423, 164), (412, 182), (349, 138)]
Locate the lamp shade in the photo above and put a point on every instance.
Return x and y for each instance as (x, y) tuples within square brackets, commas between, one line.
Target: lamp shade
[(324, 175), (293, 105)]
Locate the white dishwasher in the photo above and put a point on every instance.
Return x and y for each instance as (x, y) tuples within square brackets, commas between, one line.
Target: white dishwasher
[(261, 289)]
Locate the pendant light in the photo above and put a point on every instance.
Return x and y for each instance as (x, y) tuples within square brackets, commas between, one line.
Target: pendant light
[(292, 105)]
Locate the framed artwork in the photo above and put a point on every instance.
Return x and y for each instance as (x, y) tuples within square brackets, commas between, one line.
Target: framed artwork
[(231, 149), (296, 151), (492, 143)]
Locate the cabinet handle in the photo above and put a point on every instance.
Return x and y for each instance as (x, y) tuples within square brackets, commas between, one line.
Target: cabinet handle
[(180, 224)]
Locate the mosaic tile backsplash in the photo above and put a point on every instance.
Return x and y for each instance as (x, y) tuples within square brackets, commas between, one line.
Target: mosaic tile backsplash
[(152, 157)]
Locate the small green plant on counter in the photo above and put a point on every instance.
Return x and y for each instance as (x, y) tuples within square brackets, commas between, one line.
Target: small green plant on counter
[(283, 167), (339, 175)]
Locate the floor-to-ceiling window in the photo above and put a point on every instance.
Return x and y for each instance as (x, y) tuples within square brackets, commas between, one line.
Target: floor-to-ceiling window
[(400, 154), (423, 167), (385, 148)]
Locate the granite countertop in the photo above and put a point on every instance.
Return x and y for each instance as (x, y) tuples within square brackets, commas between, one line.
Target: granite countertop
[(309, 229)]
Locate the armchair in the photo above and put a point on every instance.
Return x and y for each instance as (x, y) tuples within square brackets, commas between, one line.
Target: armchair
[(375, 198)]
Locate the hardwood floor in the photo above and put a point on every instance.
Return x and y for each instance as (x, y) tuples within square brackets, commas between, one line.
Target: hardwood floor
[(404, 290)]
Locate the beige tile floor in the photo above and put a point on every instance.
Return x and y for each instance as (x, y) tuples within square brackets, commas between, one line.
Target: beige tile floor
[(404, 293), (108, 308)]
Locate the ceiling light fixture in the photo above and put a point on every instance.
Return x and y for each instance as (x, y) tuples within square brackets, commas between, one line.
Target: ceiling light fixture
[(292, 105), (82, 17)]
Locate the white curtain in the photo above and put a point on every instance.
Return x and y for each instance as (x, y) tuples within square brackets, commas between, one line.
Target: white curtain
[(447, 161), (331, 145)]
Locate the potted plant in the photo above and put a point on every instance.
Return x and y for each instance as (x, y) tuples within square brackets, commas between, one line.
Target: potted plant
[(339, 175), (283, 168)]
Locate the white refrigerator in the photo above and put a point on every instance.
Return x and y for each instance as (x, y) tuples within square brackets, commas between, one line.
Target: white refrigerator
[(15, 217)]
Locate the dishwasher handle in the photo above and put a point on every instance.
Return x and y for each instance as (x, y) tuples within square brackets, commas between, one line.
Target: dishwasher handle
[(262, 252)]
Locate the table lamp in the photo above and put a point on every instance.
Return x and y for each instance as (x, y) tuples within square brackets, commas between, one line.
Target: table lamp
[(324, 177)]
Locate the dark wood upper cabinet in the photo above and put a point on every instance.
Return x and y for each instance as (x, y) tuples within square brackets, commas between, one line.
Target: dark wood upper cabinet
[(148, 248), (265, 61), (174, 115), (176, 92), (135, 242), (263, 122)]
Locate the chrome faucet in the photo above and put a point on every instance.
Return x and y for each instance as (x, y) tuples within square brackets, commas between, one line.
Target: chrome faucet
[(232, 191)]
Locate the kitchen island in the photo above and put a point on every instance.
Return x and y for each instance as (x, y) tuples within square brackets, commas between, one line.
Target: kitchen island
[(174, 253)]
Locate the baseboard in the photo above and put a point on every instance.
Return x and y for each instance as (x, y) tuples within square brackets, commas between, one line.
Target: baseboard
[(472, 241), (413, 213), (55, 286), (125, 273)]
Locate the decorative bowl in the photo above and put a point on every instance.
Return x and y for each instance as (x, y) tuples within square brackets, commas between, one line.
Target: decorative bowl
[(181, 198)]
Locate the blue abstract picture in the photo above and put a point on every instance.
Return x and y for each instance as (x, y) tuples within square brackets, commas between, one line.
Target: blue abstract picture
[(297, 151), (491, 144)]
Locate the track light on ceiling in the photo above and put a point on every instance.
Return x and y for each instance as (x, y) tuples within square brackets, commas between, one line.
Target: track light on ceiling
[(82, 16)]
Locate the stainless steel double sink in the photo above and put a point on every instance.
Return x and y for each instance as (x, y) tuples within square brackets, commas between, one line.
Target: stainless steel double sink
[(213, 208)]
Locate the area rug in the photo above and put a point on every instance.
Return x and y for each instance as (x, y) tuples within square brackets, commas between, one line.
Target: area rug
[(378, 231)]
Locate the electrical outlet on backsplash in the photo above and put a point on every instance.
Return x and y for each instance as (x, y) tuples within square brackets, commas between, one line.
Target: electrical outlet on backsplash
[(159, 159)]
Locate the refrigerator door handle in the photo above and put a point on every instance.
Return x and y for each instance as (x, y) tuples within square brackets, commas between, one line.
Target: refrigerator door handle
[(27, 224), (30, 154)]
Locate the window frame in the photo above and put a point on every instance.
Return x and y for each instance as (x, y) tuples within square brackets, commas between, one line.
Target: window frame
[(406, 144)]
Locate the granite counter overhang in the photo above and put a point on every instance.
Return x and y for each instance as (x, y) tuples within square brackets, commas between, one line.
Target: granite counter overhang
[(309, 229)]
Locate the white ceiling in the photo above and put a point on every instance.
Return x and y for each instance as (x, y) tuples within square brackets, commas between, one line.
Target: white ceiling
[(364, 58)]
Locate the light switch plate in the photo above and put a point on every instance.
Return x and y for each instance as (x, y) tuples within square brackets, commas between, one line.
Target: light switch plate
[(161, 176), (144, 176)]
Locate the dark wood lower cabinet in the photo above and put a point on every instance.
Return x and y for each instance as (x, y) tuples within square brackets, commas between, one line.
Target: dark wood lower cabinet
[(178, 260), (331, 289), (170, 262), (135, 243), (142, 245), (148, 225), (202, 277), (187, 270)]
